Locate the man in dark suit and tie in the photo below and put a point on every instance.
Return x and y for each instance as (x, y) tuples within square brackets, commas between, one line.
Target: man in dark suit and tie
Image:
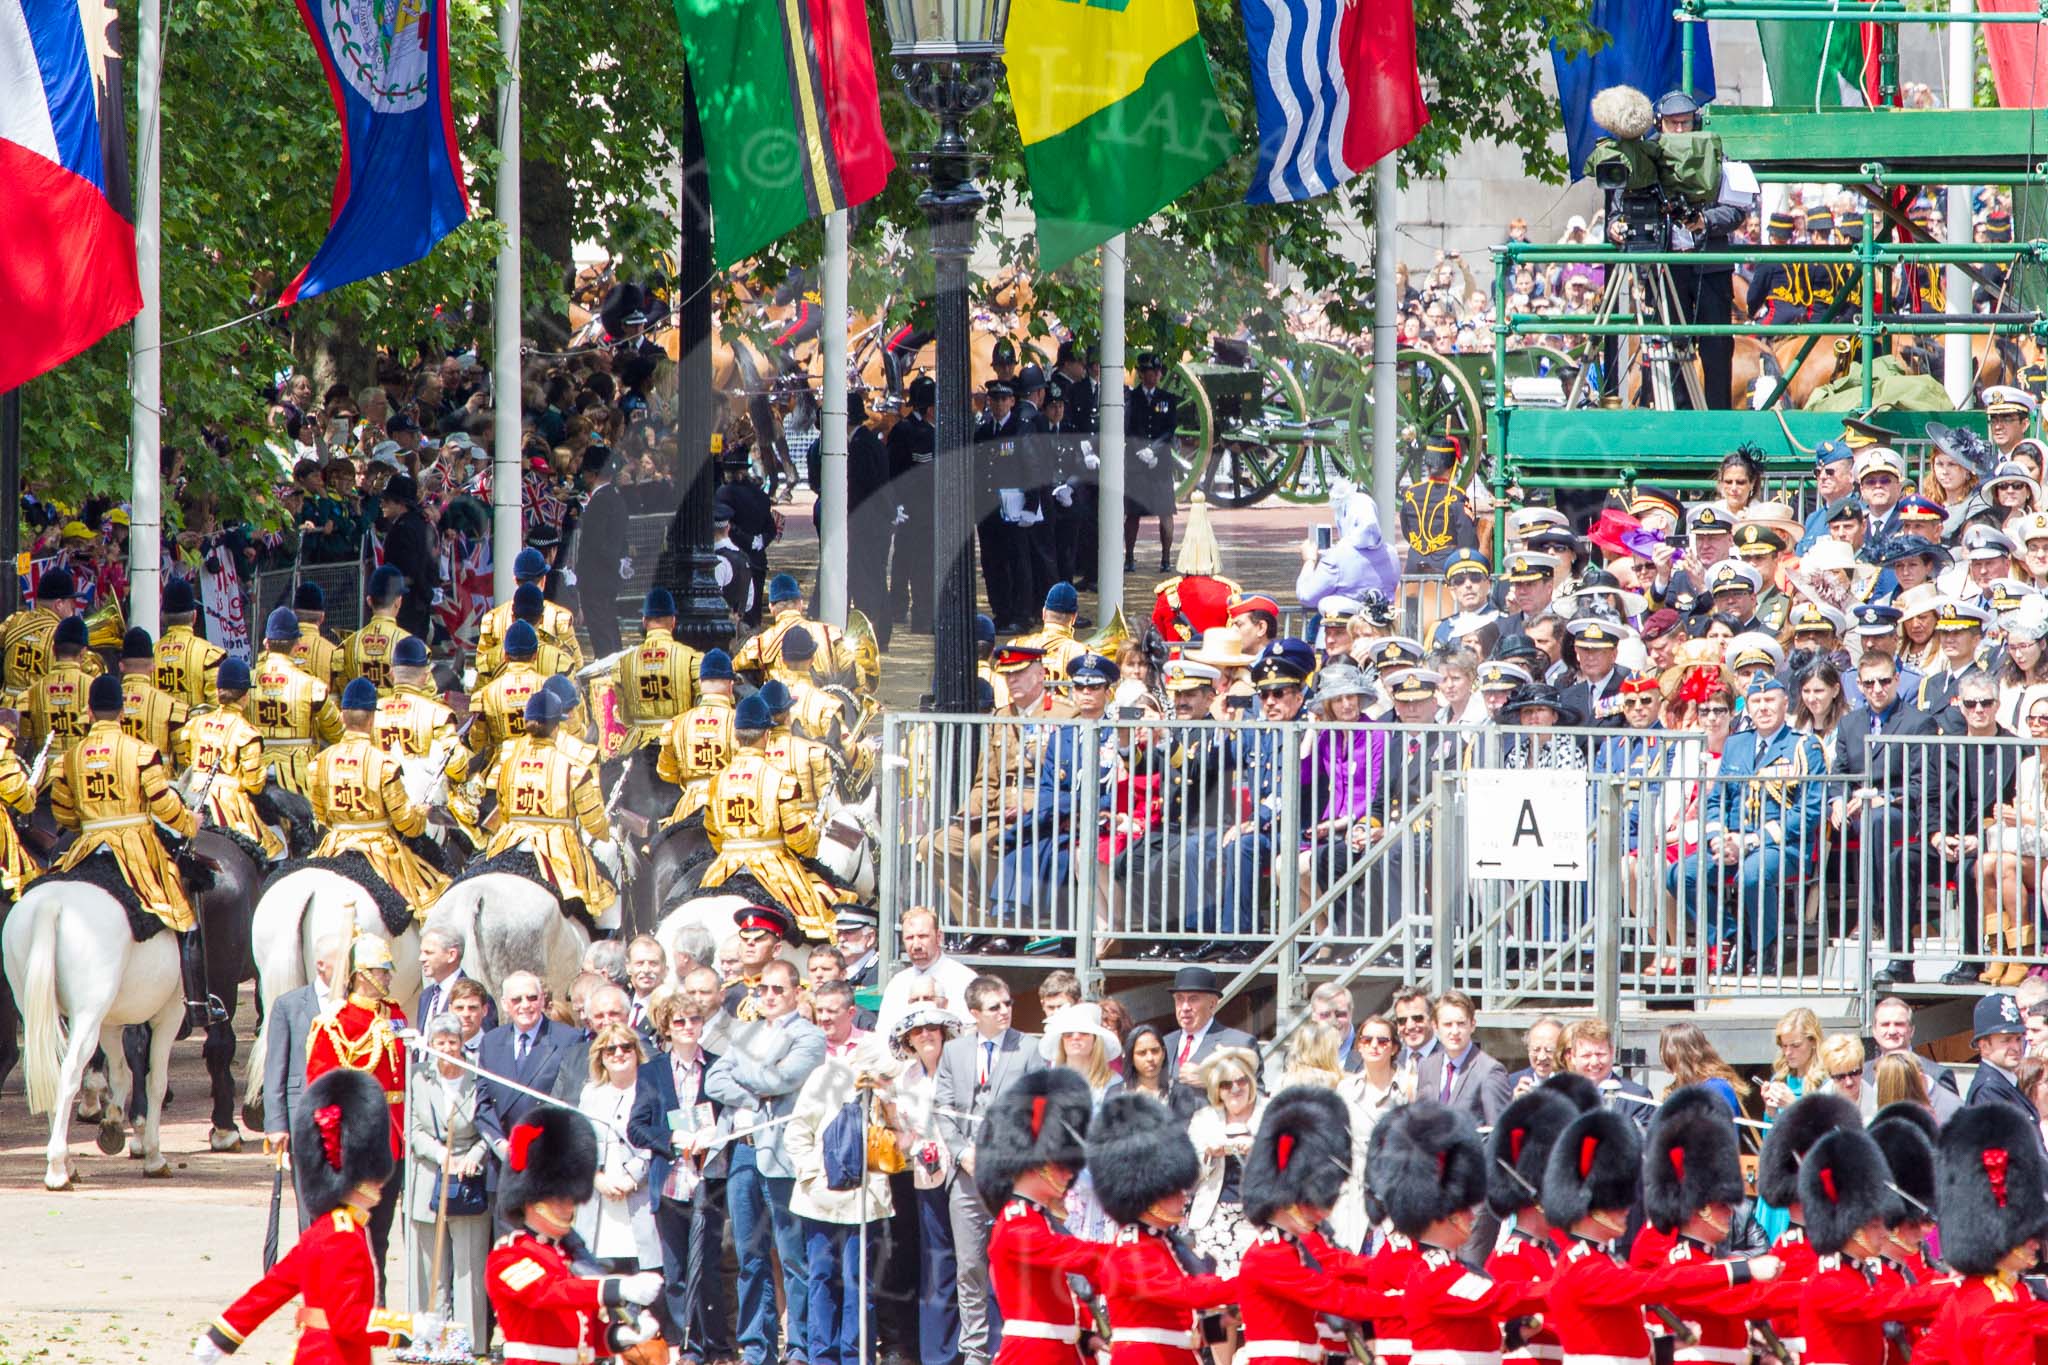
[(974, 1069), (1458, 1074), (1589, 1052), (2000, 1039), (529, 1051), (284, 1053), (440, 969), (1196, 994)]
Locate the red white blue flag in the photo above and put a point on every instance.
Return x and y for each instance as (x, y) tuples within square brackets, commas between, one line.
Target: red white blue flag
[(400, 187), (67, 256), (1336, 87)]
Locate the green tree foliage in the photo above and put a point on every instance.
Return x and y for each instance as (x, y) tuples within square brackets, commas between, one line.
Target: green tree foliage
[(250, 147)]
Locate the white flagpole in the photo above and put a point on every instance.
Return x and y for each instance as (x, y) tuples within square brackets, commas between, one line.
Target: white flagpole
[(1956, 361), (145, 443), (505, 371), (1109, 437), (832, 498), (1386, 318)]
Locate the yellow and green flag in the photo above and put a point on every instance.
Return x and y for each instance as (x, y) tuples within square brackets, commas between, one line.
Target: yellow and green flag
[(1118, 113)]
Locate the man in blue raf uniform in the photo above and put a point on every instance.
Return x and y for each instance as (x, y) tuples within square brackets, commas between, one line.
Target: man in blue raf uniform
[(1039, 848), (1469, 580), (1760, 821)]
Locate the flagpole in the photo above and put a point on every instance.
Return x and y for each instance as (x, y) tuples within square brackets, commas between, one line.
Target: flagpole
[(1956, 367), (505, 318), (145, 511), (1386, 305), (832, 498), (1109, 437)]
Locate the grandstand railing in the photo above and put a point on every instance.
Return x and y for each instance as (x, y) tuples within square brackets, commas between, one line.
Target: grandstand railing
[(1306, 862)]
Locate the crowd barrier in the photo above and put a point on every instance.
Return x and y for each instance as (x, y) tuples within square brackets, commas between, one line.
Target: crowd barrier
[(343, 584), (1320, 850)]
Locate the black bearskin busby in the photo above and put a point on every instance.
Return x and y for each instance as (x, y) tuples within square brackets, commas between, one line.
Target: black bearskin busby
[(1802, 1124), (1991, 1190), (1040, 1121), (1138, 1154), (1691, 1159), (1909, 1156), (1519, 1146), (1842, 1186), (1302, 1154), (1595, 1164), (341, 1138), (1919, 1115), (553, 1156), (1430, 1166), (1582, 1091)]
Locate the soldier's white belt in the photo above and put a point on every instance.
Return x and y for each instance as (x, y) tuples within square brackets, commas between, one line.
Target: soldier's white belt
[(119, 822), (1043, 1331), (1571, 1359), (754, 846), (546, 1355), (657, 723), (550, 820), (1292, 1350), (373, 827), (287, 743), (1713, 1355), (1447, 1356), (1154, 1336), (1540, 1351), (1384, 1346)]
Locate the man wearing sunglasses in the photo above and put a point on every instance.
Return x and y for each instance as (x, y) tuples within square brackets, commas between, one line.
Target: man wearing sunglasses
[(1978, 778), (1878, 805)]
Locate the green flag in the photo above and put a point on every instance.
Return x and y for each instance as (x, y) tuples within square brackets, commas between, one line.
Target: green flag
[(1809, 63)]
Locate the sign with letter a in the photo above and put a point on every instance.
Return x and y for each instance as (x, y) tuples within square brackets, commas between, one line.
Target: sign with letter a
[(1527, 826)]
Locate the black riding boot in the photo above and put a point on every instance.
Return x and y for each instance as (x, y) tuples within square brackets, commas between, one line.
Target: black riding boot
[(201, 1009)]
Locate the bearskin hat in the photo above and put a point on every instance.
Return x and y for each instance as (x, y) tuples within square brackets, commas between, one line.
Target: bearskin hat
[(1843, 1184), (1909, 1156), (1138, 1154), (1802, 1124), (1594, 1164), (1990, 1186), (1691, 1159), (1429, 1167), (1582, 1091), (1040, 1121), (1302, 1154), (341, 1138), (1919, 1115), (553, 1156), (1519, 1146)]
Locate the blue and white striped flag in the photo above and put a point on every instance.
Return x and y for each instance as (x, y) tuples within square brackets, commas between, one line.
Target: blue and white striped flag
[(1336, 87)]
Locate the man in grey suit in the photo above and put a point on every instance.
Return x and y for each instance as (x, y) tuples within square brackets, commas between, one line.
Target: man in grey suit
[(769, 1059), (1458, 1073), (284, 1055), (1196, 993), (974, 1069), (1891, 1028), (440, 969)]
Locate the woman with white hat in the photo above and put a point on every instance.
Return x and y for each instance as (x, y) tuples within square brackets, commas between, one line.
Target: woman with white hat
[(922, 1222), (1075, 1038)]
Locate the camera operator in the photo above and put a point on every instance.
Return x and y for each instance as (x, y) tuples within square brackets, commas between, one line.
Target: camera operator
[(1707, 292)]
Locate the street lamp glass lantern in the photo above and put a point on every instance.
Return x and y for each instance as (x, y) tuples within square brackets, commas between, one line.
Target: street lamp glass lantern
[(934, 30)]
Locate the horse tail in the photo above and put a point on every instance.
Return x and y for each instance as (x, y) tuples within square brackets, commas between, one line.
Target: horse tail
[(42, 1020), (252, 1084)]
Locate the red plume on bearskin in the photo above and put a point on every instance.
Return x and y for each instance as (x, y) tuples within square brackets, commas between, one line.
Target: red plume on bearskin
[(1519, 1147), (1040, 1121), (1983, 1219), (1691, 1158), (1792, 1136), (553, 1156), (1596, 1164), (341, 1138), (1842, 1188), (1313, 1126)]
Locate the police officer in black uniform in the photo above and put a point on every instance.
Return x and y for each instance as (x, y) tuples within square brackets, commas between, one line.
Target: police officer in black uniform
[(1074, 528), (870, 516), (1004, 498), (753, 520), (911, 443), (1151, 420)]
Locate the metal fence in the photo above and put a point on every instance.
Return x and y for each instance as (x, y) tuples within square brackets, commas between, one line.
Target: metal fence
[(1322, 849), (343, 584)]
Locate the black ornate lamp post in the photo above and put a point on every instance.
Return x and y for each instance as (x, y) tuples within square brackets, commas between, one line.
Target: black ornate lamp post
[(949, 56)]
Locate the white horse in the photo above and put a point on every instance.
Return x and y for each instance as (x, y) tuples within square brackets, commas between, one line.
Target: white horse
[(847, 841), (80, 978), (511, 923), (297, 911)]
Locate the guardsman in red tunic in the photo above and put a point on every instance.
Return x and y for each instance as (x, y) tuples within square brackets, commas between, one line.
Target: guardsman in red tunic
[(359, 1032), (1792, 1135), (1291, 1276), (1517, 1151), (1844, 1189), (1032, 1147), (1154, 1282), (1596, 1302), (1991, 1201), (1905, 1133), (1692, 1186), (340, 1161), (550, 1313), (1428, 1172)]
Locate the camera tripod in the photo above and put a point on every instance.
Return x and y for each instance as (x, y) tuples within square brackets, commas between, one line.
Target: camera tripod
[(1646, 294)]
